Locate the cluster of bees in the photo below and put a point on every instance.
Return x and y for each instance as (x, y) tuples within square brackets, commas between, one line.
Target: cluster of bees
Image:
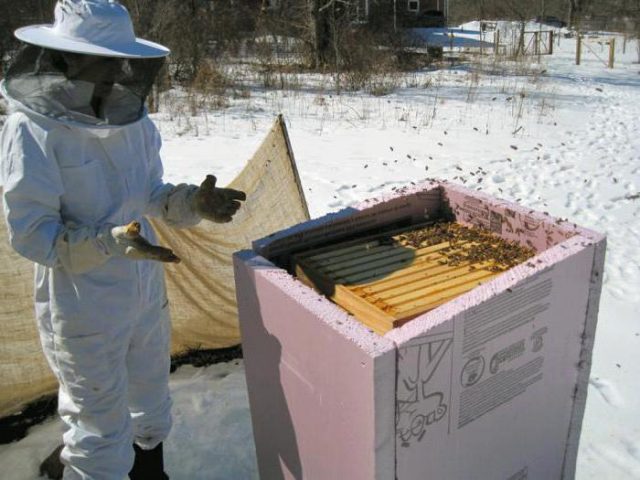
[(469, 245)]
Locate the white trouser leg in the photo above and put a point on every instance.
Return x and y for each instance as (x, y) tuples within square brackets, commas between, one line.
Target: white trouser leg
[(93, 405), (148, 364)]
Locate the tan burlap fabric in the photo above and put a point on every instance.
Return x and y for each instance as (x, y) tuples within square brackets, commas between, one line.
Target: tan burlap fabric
[(201, 288)]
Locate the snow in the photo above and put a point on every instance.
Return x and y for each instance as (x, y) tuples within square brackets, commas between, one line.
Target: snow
[(554, 136), (211, 437)]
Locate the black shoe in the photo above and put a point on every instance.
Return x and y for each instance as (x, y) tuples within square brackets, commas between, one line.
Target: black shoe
[(148, 465), (52, 467)]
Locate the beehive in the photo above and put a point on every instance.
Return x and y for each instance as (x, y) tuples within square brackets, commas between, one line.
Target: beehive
[(491, 384), (387, 279)]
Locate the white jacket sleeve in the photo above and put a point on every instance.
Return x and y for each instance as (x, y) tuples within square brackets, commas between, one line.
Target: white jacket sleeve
[(32, 187), (172, 203)]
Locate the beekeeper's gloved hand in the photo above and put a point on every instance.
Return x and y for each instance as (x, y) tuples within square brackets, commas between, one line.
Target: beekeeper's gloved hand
[(125, 240), (216, 204)]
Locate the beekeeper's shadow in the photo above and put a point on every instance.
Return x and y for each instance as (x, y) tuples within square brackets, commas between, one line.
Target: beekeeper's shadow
[(275, 436)]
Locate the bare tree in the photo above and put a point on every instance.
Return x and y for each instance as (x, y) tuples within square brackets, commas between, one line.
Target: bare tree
[(319, 24), (327, 21), (194, 29), (575, 10), (18, 14)]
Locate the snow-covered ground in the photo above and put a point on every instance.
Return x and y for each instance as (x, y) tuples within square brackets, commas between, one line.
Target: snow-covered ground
[(554, 136)]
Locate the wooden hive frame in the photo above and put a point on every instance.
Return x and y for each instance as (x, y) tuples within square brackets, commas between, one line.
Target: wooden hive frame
[(384, 281)]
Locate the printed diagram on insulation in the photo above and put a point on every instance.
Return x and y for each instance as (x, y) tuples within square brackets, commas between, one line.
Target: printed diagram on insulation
[(423, 386), (472, 371)]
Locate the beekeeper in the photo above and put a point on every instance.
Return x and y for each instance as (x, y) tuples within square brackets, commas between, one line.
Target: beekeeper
[(80, 171)]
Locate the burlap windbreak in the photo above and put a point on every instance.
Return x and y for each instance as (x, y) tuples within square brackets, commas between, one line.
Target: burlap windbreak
[(201, 288)]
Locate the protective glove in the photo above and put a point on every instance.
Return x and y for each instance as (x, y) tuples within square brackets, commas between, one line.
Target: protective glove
[(125, 240), (216, 204)]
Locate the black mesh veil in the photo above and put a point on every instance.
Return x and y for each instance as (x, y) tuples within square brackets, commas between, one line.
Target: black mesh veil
[(82, 88)]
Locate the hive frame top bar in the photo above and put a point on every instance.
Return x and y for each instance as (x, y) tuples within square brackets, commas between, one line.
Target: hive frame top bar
[(385, 280), (554, 239)]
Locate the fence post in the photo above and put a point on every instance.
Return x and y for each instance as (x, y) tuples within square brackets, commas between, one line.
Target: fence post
[(496, 40), (612, 52), (451, 48), (550, 42), (578, 49)]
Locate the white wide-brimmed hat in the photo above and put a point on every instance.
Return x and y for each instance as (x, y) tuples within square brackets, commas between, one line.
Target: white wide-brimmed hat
[(93, 27)]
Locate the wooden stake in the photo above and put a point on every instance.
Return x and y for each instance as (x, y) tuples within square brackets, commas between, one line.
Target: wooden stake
[(578, 49), (550, 42), (612, 52)]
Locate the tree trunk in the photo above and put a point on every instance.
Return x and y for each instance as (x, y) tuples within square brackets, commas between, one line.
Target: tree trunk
[(321, 26), (576, 10), (573, 7)]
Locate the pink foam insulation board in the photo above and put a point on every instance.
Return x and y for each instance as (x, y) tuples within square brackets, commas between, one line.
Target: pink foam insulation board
[(490, 385)]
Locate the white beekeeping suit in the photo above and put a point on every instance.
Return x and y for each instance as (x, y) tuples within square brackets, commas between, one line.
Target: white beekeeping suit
[(80, 160)]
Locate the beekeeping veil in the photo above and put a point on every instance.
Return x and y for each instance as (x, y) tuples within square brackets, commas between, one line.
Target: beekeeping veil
[(87, 67)]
